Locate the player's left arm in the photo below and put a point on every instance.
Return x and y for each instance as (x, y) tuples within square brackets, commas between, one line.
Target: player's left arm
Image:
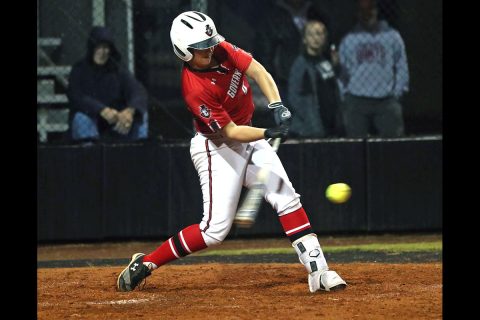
[(264, 79), (243, 133), (248, 133), (269, 88)]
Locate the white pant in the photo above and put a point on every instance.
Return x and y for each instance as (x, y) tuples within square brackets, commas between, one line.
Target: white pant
[(223, 167)]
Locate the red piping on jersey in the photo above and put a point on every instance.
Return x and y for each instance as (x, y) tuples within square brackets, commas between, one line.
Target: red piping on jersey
[(210, 186)]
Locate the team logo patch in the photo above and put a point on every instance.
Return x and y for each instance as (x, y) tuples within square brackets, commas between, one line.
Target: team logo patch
[(204, 111), (209, 30)]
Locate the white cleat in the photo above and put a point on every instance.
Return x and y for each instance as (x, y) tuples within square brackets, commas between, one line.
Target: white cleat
[(325, 280)]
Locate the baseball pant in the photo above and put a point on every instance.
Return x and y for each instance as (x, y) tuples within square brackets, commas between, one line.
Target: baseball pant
[(224, 166)]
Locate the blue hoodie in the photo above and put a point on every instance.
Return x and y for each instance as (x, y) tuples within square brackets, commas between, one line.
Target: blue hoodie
[(93, 87)]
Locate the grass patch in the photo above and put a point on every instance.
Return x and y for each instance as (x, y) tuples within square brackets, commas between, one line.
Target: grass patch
[(375, 247)]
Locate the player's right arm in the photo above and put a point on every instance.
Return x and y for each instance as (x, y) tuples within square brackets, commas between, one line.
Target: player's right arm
[(242, 133), (264, 80), (207, 110), (249, 134)]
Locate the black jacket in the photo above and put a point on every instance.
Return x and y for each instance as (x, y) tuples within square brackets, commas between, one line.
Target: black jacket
[(92, 87), (314, 98)]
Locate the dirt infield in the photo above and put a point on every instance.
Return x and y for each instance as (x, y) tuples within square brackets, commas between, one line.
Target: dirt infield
[(381, 286), (243, 291)]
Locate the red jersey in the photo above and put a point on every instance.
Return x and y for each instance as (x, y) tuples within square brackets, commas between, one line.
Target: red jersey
[(222, 94)]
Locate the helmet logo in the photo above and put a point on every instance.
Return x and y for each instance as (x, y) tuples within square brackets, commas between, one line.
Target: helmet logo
[(208, 31)]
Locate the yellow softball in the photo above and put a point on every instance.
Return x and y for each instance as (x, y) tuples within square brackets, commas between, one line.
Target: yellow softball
[(338, 192)]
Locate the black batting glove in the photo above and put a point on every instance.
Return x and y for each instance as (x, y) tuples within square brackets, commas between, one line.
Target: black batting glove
[(277, 132), (280, 113)]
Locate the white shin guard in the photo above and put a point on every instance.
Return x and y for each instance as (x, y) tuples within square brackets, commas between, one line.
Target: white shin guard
[(311, 256), (310, 253)]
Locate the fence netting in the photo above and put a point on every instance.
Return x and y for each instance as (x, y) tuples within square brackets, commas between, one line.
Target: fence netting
[(401, 59)]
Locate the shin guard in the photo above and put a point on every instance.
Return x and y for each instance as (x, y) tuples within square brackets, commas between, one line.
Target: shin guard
[(310, 253)]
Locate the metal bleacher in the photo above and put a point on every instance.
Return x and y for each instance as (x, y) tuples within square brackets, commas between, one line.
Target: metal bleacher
[(52, 102), (61, 26)]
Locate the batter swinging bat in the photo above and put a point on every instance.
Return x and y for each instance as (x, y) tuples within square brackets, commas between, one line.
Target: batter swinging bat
[(247, 213)]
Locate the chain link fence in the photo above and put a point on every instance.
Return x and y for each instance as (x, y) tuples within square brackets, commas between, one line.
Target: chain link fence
[(140, 32), (63, 29)]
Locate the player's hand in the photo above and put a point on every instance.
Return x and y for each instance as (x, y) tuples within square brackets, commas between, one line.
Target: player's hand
[(280, 113), (109, 114), (278, 132)]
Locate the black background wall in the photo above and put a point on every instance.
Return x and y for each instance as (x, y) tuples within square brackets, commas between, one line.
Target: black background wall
[(404, 187), (151, 190)]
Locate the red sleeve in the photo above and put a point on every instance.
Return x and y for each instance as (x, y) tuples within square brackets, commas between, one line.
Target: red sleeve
[(239, 57), (207, 110)]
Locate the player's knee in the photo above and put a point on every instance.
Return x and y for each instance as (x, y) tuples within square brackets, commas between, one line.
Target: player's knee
[(215, 234), (210, 242), (288, 205)]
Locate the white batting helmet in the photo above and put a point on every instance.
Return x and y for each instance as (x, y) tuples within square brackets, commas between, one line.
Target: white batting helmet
[(192, 29)]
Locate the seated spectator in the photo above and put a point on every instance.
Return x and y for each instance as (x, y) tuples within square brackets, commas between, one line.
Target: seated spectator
[(374, 76), (312, 89), (107, 102)]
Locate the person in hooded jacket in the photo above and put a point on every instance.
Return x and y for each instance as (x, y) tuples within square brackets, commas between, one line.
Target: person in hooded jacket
[(107, 102)]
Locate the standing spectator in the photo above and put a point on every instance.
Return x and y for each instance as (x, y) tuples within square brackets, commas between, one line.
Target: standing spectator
[(312, 87), (374, 75), (279, 38), (107, 102)]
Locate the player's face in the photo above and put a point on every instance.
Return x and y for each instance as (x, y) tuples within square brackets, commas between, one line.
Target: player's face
[(202, 58)]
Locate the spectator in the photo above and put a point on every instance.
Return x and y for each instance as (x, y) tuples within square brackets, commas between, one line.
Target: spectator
[(107, 102), (374, 76), (312, 87), (279, 38)]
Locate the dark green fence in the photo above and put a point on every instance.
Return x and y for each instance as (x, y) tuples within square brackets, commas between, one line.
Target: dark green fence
[(150, 190)]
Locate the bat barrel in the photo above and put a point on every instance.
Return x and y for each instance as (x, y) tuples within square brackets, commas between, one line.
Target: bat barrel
[(245, 219), (248, 211)]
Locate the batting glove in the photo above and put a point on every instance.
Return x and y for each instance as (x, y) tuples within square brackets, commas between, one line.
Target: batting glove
[(277, 132), (280, 113)]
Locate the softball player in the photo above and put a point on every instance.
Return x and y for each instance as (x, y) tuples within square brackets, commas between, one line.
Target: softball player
[(227, 152)]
